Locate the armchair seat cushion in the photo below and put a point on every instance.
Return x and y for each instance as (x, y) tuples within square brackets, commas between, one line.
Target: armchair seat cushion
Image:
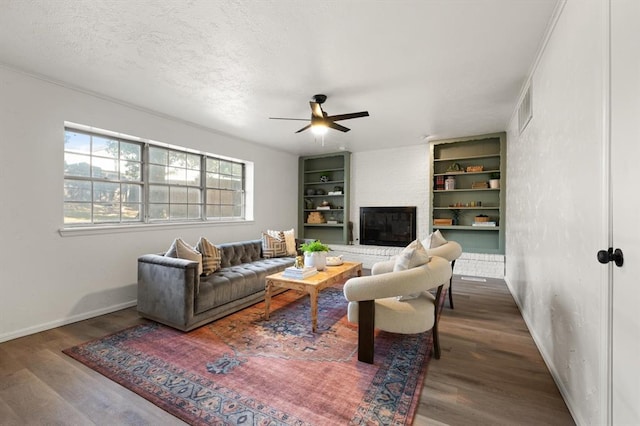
[(396, 316)]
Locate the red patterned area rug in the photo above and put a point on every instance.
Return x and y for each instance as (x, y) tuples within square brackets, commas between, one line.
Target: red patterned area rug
[(242, 369)]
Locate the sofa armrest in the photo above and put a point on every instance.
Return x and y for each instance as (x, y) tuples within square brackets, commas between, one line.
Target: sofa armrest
[(166, 289), (401, 283)]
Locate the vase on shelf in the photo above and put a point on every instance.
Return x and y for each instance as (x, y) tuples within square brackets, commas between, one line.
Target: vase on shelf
[(450, 183)]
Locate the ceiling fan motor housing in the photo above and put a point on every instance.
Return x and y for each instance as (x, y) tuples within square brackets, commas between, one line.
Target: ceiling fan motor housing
[(319, 98)]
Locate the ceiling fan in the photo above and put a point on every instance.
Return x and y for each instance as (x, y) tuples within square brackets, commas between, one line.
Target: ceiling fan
[(320, 121)]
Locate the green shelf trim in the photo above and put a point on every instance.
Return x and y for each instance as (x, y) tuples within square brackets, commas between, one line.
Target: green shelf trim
[(468, 228), (324, 170), (465, 190), (324, 225), (472, 157), (323, 183), (467, 173), (468, 208)]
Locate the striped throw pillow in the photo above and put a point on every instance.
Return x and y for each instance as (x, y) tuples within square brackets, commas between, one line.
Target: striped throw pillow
[(273, 246), (211, 258)]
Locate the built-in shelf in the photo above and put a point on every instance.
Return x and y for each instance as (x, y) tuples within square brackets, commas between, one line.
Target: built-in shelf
[(324, 173), (486, 151)]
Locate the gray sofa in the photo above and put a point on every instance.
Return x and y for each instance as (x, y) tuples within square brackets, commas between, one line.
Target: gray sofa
[(171, 292)]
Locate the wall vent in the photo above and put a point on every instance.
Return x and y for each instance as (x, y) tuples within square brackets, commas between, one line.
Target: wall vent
[(525, 110)]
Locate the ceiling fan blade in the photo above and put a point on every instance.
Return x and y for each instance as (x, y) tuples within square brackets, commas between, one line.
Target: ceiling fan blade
[(348, 116), (304, 128), (283, 118), (316, 110), (337, 126)]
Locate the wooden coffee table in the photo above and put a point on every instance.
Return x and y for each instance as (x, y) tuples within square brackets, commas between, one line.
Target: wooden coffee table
[(312, 285)]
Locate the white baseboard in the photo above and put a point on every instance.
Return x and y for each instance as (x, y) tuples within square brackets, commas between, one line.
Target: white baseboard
[(64, 321)]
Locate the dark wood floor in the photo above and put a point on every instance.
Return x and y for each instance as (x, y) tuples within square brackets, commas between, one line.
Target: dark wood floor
[(490, 372)]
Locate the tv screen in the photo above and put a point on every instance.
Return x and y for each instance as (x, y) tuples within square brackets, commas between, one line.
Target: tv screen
[(387, 226)]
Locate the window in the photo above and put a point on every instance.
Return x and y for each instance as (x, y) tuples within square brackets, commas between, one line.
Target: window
[(175, 192), (111, 180), (225, 189), (103, 179)]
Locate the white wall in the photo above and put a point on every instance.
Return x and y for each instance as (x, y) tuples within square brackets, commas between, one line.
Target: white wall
[(46, 279), (554, 203), (391, 177)]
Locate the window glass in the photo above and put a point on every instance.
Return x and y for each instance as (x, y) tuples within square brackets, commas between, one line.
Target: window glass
[(108, 181)]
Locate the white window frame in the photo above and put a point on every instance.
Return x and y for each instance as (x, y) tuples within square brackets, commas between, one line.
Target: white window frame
[(243, 193)]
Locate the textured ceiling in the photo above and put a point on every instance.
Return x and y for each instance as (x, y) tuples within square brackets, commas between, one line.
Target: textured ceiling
[(426, 67)]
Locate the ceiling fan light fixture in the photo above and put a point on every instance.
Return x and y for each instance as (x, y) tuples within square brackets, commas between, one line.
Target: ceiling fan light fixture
[(319, 129)]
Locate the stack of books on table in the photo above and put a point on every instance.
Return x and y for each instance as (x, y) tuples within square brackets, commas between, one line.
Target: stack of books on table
[(486, 224), (300, 273)]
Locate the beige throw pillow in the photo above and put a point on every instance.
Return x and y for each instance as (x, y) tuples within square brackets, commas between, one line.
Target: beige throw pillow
[(211, 257), (182, 250)]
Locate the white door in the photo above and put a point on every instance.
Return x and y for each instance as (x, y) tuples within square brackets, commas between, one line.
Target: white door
[(625, 192)]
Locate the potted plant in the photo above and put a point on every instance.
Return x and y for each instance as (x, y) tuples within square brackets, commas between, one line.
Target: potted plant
[(315, 254), (494, 180)]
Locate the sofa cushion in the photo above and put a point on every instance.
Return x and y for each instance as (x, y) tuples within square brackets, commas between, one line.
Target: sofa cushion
[(182, 250), (210, 256), (240, 252), (273, 246), (237, 281)]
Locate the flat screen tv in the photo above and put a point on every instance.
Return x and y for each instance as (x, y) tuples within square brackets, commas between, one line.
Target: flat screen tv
[(387, 226)]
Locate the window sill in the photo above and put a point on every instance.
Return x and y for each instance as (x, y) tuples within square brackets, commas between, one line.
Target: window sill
[(142, 227)]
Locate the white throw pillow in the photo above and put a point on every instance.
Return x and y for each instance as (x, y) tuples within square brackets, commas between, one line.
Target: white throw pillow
[(434, 240), (413, 255), (182, 250)]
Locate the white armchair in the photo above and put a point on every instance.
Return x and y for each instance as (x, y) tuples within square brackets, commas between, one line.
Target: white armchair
[(451, 251), (373, 302)]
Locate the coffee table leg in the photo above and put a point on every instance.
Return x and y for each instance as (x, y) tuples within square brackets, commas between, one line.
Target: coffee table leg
[(267, 299), (313, 295)]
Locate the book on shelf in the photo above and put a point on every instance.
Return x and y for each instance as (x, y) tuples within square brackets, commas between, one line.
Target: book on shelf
[(489, 224), (300, 273), (323, 208)]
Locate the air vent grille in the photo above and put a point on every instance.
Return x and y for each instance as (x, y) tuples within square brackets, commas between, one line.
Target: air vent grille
[(525, 110)]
